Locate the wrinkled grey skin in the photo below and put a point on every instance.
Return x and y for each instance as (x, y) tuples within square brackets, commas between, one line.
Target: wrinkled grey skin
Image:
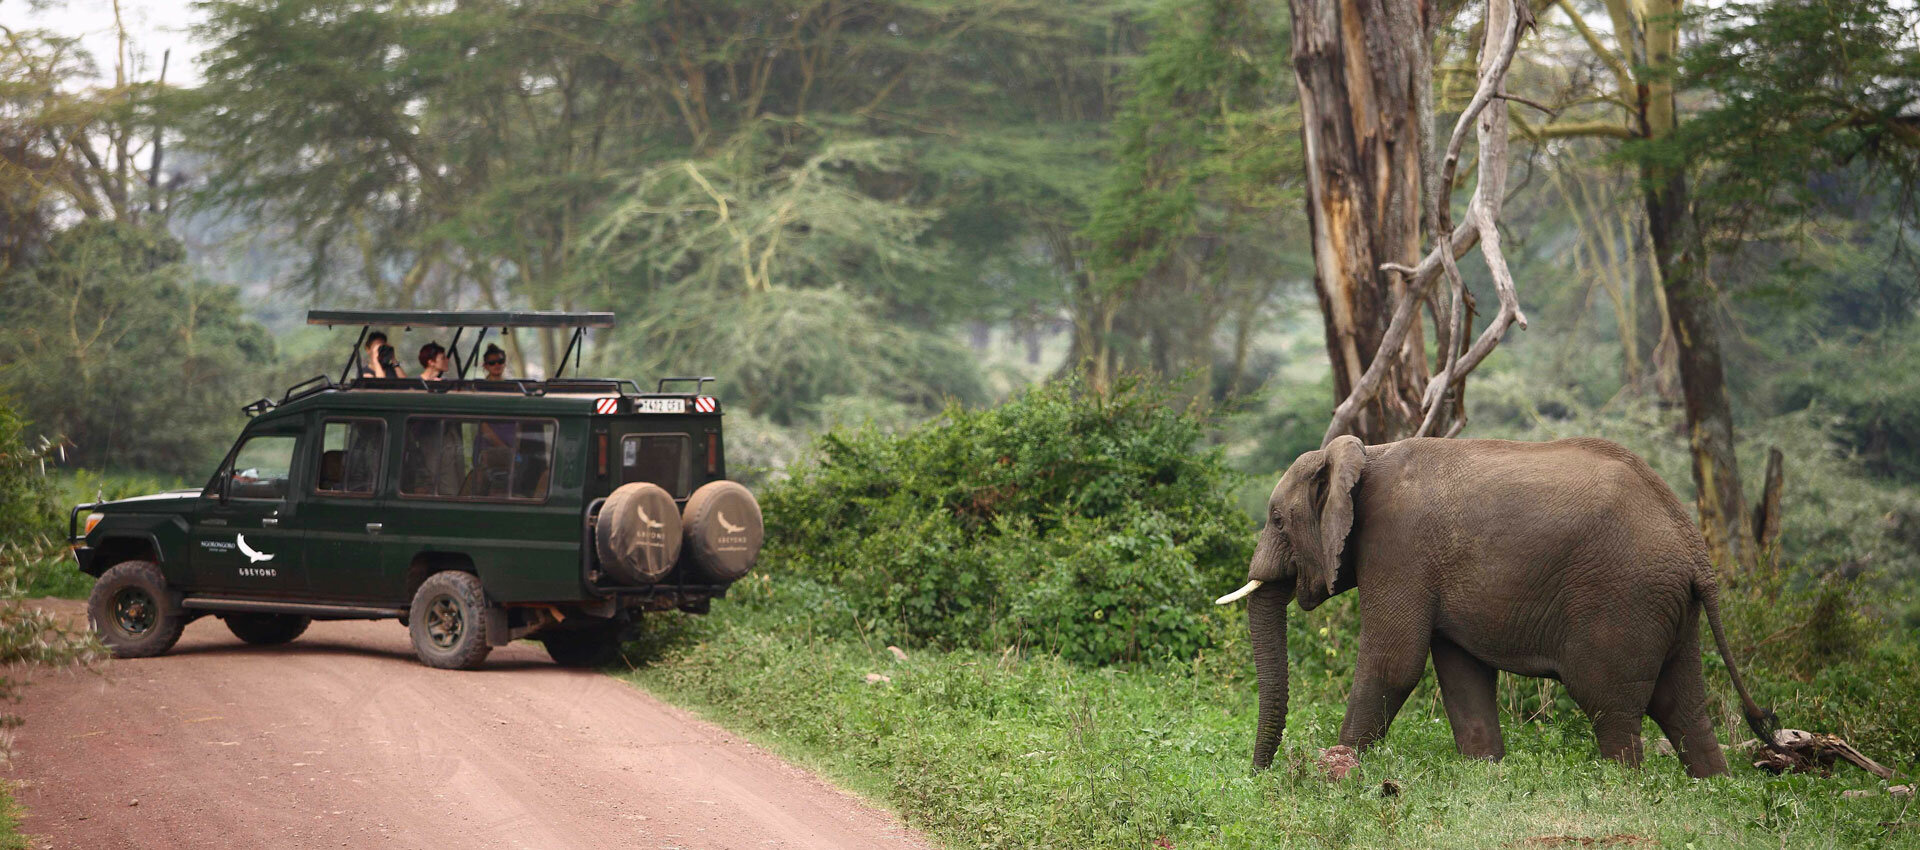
[(1569, 559)]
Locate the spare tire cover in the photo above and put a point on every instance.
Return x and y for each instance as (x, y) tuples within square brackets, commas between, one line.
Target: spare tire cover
[(638, 533), (724, 530)]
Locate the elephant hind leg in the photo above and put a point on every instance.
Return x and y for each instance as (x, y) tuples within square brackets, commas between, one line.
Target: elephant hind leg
[(1679, 705), (1467, 690), (1615, 707)]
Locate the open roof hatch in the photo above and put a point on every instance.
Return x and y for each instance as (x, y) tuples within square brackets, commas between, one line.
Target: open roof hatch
[(460, 320)]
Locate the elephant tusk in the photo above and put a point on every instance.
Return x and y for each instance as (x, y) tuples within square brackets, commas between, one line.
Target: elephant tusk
[(1236, 595)]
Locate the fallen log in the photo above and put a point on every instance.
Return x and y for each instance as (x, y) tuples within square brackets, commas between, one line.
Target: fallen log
[(1799, 751)]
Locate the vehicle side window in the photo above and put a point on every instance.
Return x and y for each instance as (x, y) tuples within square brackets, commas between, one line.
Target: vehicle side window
[(657, 458), (491, 459), (350, 453), (261, 468)]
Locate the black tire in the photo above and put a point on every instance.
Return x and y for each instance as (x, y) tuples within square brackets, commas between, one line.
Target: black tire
[(133, 612), (448, 621), (267, 629), (585, 648), (724, 531), (637, 533)]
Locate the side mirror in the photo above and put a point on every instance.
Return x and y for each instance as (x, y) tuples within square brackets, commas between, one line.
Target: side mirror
[(226, 485)]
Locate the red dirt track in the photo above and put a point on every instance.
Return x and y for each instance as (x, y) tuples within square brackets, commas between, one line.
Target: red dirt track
[(342, 739)]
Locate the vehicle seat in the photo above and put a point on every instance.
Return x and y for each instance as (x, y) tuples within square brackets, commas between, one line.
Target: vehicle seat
[(333, 470)]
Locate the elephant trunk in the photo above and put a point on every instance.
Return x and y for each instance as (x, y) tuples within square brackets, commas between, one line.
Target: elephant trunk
[(1267, 622)]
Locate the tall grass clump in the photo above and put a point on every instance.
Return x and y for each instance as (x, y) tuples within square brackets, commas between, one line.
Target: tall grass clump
[(1090, 524)]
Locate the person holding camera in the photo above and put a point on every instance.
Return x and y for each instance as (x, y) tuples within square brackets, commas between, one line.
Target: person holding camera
[(378, 360)]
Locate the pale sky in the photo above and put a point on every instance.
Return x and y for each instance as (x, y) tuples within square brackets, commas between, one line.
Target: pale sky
[(152, 26)]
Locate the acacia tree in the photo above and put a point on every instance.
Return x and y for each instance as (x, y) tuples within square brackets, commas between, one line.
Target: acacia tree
[(633, 154), (1791, 90), (1206, 168), (69, 148)]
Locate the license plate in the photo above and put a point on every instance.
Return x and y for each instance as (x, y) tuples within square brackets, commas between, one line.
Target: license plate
[(660, 405)]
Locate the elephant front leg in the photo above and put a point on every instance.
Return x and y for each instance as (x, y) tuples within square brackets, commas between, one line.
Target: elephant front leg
[(1467, 690), (1390, 666)]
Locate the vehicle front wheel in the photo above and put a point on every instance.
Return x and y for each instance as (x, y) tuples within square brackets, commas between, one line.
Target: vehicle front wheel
[(133, 612), (267, 629), (448, 621), (586, 648)]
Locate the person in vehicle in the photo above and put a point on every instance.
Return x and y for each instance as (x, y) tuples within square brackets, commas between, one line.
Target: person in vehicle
[(433, 462), (495, 361), (377, 360), (434, 362), (493, 451)]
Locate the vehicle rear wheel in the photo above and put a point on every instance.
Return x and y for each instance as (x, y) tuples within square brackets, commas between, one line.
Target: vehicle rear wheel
[(586, 648), (267, 629), (448, 621), (133, 612)]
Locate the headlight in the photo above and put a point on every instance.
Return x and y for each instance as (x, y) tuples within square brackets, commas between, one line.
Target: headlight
[(92, 520)]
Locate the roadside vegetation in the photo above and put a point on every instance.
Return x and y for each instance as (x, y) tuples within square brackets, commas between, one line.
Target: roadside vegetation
[(32, 563), (992, 730)]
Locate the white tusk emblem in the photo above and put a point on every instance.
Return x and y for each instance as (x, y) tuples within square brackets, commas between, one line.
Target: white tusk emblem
[(730, 527), (642, 510), (1235, 596), (252, 556)]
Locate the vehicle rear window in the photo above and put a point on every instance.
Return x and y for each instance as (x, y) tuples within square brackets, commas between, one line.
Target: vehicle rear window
[(260, 468), (491, 459), (659, 458), (350, 456)]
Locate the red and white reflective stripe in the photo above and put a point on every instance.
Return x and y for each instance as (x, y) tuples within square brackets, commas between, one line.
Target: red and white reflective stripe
[(606, 405), (705, 403)]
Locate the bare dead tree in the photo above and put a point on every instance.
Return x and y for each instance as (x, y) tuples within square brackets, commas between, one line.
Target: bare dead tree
[(1505, 22)]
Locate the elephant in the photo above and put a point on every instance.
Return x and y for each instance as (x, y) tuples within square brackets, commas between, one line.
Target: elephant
[(1569, 559)]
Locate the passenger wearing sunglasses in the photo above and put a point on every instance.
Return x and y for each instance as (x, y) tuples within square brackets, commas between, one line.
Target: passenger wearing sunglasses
[(495, 361)]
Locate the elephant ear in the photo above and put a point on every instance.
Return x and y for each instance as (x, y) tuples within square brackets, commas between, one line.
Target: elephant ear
[(1346, 458)]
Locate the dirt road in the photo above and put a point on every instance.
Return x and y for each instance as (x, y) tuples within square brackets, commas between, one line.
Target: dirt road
[(341, 739)]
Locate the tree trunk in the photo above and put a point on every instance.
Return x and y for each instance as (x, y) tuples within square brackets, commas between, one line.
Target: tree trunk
[(1360, 124), (1703, 383), (1691, 308)]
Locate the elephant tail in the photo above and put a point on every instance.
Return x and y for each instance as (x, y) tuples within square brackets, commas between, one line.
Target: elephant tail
[(1761, 720)]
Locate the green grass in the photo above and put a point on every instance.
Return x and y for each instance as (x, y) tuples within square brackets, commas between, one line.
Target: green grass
[(10, 814), (998, 750)]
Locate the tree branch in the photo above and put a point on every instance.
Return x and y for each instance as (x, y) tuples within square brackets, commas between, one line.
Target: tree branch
[(1482, 225)]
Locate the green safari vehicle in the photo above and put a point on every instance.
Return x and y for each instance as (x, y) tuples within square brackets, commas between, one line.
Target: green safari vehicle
[(475, 512)]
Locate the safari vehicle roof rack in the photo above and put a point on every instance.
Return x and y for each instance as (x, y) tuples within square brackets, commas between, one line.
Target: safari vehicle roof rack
[(460, 320)]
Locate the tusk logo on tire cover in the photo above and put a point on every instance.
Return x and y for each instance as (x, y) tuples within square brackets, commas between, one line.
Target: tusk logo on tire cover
[(642, 511), (730, 527)]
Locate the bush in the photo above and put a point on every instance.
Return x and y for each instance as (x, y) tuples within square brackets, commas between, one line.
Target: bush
[(1089, 524), (26, 495)]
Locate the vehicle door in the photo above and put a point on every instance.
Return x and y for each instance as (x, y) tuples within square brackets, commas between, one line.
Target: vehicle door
[(346, 510), (478, 488), (246, 537)]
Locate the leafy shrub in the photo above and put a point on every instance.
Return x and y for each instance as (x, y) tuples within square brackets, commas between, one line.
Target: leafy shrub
[(26, 495), (28, 554), (1086, 523)]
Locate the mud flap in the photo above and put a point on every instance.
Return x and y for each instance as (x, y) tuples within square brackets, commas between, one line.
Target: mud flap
[(498, 634)]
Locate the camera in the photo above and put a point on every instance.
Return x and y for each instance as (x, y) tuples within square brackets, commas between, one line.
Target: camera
[(385, 357)]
